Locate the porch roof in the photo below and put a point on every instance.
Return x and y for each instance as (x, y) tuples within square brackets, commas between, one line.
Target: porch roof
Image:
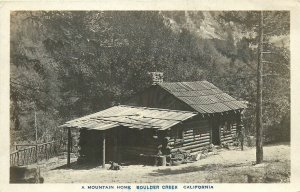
[(131, 117)]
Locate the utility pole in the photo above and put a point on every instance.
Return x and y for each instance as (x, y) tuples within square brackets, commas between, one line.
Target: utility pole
[(259, 125)]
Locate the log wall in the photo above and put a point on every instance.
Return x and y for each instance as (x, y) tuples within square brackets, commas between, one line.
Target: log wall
[(227, 136), (195, 136)]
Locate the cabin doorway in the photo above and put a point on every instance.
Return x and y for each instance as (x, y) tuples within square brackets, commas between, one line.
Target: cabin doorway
[(112, 142), (91, 146), (216, 140)]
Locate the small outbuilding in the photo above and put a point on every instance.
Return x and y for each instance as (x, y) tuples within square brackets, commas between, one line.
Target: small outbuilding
[(188, 116)]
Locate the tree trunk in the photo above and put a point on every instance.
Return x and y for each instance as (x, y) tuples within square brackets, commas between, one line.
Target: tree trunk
[(69, 147), (259, 125)]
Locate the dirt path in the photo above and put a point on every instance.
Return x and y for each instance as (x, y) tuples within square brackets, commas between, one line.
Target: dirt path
[(226, 166)]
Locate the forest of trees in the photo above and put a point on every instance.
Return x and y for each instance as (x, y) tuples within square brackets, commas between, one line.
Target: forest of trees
[(66, 64)]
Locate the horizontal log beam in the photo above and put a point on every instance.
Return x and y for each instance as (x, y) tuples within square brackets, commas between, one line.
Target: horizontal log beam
[(192, 137), (227, 136), (197, 142), (192, 134), (196, 139), (190, 143), (196, 136), (191, 130), (191, 147)]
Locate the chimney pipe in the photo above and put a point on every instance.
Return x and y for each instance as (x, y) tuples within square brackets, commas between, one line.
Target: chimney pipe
[(156, 77)]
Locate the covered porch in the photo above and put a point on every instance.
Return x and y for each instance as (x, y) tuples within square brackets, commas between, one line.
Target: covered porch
[(123, 132)]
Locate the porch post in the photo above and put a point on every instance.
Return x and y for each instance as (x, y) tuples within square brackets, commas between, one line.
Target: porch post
[(211, 130), (69, 147), (240, 130), (103, 150), (116, 159)]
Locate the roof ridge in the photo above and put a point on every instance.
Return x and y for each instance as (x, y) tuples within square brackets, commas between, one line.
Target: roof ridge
[(159, 109)]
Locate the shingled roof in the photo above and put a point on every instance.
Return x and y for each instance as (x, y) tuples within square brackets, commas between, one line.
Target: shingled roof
[(202, 96), (131, 117)]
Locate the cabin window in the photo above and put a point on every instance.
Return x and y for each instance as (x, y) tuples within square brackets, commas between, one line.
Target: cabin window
[(227, 127)]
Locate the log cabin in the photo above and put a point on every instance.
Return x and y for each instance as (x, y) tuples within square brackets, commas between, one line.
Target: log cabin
[(219, 114), (191, 115)]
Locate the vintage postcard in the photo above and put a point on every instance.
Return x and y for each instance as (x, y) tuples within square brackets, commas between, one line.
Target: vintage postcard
[(148, 95)]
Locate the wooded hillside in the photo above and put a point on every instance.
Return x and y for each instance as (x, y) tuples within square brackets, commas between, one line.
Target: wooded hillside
[(69, 64)]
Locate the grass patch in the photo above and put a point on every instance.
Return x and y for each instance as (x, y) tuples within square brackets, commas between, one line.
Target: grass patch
[(269, 172)]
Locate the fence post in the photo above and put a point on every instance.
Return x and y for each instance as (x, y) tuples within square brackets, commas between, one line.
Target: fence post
[(30, 155), (23, 159), (46, 151), (36, 153), (18, 157)]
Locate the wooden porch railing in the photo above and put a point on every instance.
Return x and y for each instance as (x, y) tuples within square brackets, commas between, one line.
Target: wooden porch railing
[(27, 154)]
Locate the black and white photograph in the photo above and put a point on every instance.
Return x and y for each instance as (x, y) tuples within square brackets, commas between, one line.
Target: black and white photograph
[(152, 97)]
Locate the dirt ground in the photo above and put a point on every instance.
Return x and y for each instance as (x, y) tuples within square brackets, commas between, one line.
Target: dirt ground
[(227, 166)]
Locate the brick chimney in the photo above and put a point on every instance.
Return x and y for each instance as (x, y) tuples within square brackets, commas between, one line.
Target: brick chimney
[(156, 77)]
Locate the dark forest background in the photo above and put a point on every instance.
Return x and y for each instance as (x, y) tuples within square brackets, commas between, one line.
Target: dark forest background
[(66, 64)]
